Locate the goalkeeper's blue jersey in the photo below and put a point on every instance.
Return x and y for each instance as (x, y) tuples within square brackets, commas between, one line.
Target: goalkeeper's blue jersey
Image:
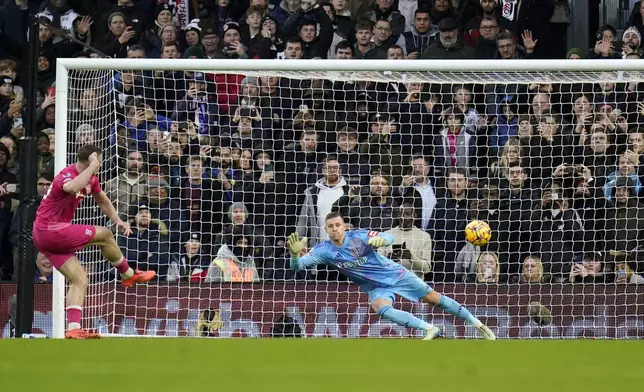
[(357, 260)]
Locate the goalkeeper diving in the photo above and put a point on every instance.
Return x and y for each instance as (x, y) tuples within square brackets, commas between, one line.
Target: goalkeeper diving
[(353, 254)]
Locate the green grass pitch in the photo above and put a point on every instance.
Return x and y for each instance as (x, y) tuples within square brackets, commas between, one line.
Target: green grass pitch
[(311, 365)]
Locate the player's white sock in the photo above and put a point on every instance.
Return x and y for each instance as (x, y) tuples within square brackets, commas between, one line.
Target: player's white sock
[(71, 326), (127, 274)]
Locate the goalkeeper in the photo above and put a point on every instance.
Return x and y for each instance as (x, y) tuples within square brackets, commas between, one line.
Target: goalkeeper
[(353, 254)]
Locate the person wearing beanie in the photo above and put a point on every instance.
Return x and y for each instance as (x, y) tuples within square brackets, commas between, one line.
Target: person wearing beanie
[(152, 38), (194, 52), (631, 42), (268, 43), (231, 42), (192, 34), (575, 54)]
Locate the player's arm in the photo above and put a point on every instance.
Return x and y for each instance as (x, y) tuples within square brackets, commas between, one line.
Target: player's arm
[(76, 184), (376, 239), (106, 206), (297, 262)]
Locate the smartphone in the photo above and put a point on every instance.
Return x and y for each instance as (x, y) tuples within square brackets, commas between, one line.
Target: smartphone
[(17, 122), (488, 273), (12, 188), (51, 91), (269, 168)]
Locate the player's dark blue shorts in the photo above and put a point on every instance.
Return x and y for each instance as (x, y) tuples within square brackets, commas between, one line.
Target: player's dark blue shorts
[(409, 286)]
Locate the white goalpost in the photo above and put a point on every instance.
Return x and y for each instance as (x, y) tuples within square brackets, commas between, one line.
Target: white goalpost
[(215, 162)]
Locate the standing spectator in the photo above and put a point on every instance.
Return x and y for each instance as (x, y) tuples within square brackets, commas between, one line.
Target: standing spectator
[(412, 247), (627, 167), (372, 210), (191, 266), (149, 245), (20, 215), (353, 166), (304, 24), (454, 146), (624, 221), (517, 16), (383, 147), (486, 42), (151, 38), (508, 47), (557, 233), (364, 34), (417, 190), (130, 186), (14, 164), (420, 35), (282, 12), (61, 14), (45, 157), (114, 43), (301, 164), (631, 41), (318, 201), (268, 44), (448, 224), (168, 212), (448, 45), (383, 41), (133, 17), (385, 10), (442, 9), (199, 107)]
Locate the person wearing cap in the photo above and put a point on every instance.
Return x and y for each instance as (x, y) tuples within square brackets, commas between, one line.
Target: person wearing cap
[(231, 46), (151, 39), (304, 24), (191, 265), (590, 270), (168, 212), (448, 45), (192, 34), (198, 106), (149, 245), (268, 43), (210, 41)]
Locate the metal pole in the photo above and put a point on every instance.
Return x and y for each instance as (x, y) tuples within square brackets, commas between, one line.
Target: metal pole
[(28, 190)]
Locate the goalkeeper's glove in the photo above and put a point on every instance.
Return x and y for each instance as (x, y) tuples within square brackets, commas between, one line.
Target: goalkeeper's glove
[(377, 242), (295, 244)]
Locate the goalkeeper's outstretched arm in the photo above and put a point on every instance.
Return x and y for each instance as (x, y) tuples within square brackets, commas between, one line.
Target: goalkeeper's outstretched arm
[(295, 246)]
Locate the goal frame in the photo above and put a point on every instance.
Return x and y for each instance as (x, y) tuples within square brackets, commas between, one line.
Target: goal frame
[(63, 66)]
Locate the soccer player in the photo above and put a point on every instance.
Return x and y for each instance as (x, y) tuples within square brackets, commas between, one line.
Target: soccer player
[(57, 239), (353, 254)]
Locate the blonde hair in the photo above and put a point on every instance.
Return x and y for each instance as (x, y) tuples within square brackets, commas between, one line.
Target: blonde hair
[(480, 267), (501, 167), (537, 260)]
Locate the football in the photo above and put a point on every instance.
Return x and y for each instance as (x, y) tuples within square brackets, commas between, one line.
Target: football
[(478, 232)]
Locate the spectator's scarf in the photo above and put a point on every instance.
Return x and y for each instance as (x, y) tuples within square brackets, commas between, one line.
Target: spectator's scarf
[(181, 13), (201, 116)]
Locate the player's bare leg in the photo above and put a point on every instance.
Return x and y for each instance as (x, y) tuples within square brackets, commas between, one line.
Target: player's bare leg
[(454, 308), (76, 275), (111, 251), (383, 307)]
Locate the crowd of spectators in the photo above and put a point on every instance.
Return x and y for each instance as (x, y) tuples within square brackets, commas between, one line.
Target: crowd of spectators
[(213, 170)]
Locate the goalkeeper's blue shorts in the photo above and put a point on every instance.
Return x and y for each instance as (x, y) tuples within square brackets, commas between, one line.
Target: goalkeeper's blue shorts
[(409, 286)]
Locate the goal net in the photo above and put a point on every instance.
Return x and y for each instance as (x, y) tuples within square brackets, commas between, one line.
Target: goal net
[(214, 163)]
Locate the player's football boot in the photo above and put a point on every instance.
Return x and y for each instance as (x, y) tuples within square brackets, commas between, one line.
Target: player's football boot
[(486, 332), (139, 277), (432, 333), (81, 334)]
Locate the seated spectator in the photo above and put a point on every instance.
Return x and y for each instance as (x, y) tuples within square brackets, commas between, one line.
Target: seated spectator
[(385, 9), (284, 10), (9, 68), (383, 40), (412, 247), (631, 41), (532, 270), (448, 45), (192, 265), (149, 244), (442, 9), (192, 36), (14, 160), (508, 48), (269, 43), (485, 44), (130, 185), (625, 273), (511, 155), (487, 268), (420, 35), (241, 225), (234, 262), (44, 270), (363, 38), (590, 270)]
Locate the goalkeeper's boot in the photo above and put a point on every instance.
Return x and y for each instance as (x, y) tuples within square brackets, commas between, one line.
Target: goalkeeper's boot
[(81, 334), (486, 332), (139, 277), (432, 333)]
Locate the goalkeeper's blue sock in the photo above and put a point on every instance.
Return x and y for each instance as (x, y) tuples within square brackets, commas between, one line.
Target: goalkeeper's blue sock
[(458, 310), (402, 318)]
